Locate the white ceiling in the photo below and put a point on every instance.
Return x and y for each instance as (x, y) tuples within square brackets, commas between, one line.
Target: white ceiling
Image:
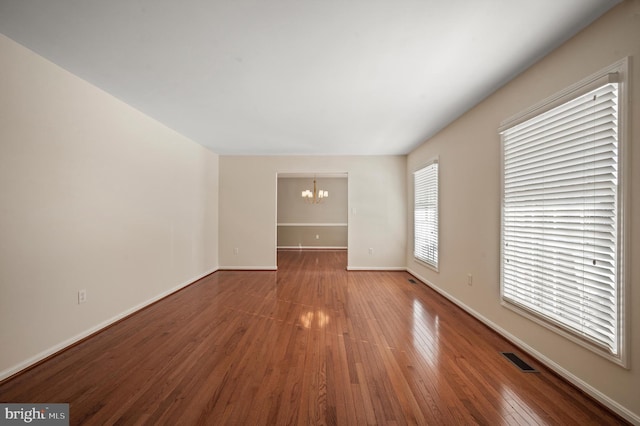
[(279, 77)]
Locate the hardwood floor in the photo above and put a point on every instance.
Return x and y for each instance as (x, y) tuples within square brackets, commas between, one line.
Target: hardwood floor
[(309, 344)]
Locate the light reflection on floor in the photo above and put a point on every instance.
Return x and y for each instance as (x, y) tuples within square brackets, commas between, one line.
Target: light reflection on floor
[(512, 407), (426, 334), (320, 317)]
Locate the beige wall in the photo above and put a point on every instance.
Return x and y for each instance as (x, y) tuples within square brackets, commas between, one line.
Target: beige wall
[(293, 212), (93, 195), (293, 209), (309, 236), (469, 152), (377, 208)]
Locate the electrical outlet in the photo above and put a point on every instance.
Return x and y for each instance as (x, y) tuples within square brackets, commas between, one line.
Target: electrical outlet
[(317, 237), (82, 296), (469, 279), (370, 251), (236, 250)]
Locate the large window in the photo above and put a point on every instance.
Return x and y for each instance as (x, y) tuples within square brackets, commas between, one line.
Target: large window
[(425, 213), (562, 219)]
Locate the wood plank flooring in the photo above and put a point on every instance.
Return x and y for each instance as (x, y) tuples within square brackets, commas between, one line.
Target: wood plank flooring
[(308, 344)]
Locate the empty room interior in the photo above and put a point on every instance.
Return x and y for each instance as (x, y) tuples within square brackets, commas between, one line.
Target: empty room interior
[(306, 212)]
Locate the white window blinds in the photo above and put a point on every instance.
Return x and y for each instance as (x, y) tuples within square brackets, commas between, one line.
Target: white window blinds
[(560, 216), (426, 214)]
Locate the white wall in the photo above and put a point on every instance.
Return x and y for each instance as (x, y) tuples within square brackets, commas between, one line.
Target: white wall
[(469, 152), (377, 195), (93, 195)]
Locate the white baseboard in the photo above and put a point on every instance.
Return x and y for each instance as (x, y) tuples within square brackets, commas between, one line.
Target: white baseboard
[(311, 248), (376, 268), (562, 372), (62, 345), (248, 268)]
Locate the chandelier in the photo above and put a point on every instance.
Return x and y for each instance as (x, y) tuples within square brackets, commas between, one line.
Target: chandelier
[(316, 196)]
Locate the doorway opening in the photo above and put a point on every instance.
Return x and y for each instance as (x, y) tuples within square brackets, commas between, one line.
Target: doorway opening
[(316, 222)]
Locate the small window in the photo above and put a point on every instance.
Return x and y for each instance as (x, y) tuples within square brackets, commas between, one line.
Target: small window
[(562, 258), (425, 224)]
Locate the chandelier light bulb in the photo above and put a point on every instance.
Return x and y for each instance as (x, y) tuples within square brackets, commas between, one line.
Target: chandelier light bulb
[(316, 196)]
